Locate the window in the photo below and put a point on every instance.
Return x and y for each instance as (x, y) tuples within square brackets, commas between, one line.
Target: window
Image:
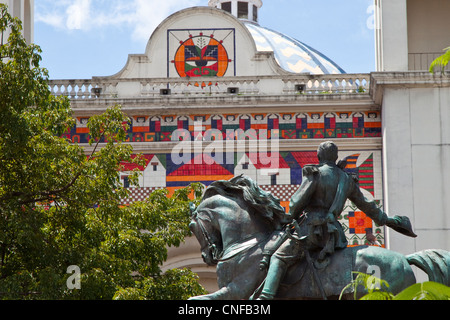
[(126, 182), (255, 13), (244, 166), (242, 10), (226, 6), (273, 179)]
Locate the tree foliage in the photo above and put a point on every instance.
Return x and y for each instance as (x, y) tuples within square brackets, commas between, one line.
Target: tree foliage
[(61, 207), (370, 287), (441, 61)]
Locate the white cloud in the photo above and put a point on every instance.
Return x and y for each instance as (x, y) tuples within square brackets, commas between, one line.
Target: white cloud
[(78, 14), (142, 16), (150, 13)]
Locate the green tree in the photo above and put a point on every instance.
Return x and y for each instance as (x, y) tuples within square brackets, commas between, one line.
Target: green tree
[(61, 207)]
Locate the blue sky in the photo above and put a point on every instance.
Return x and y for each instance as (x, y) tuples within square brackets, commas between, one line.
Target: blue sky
[(85, 38)]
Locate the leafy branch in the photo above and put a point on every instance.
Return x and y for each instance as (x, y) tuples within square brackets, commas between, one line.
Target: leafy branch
[(110, 125), (441, 61)]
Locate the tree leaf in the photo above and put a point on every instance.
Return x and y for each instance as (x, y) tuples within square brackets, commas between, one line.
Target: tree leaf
[(425, 291), (441, 61)]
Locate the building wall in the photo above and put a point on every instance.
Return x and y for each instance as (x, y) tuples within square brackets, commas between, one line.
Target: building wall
[(391, 35), (416, 150), (24, 10), (415, 118)]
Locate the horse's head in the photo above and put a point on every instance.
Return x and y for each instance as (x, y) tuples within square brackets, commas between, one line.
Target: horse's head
[(234, 203), (203, 230)]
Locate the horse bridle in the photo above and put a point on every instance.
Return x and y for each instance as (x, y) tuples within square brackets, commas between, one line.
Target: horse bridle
[(212, 247)]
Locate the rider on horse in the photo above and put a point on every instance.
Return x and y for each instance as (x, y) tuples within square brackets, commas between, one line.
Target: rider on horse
[(314, 208)]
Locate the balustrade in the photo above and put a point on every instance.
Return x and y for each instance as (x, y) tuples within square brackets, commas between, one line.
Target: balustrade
[(273, 85)]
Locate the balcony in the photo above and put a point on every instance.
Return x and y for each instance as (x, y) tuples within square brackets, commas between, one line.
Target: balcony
[(422, 61)]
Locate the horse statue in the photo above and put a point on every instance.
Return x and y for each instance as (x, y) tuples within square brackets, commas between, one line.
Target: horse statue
[(236, 219)]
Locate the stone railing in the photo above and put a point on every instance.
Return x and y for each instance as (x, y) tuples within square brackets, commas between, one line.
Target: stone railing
[(82, 88), (264, 85), (318, 84)]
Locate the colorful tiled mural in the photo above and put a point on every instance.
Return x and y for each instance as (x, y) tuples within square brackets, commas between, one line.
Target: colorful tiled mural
[(201, 52), (281, 175), (282, 182), (312, 125)]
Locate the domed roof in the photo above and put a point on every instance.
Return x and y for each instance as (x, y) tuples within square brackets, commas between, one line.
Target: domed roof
[(291, 54)]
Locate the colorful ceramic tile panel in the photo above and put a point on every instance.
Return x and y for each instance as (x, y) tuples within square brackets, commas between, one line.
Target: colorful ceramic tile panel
[(196, 53), (288, 177), (358, 222), (290, 126), (281, 176)]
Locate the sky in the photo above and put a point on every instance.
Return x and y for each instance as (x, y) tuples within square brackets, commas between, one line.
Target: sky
[(85, 38)]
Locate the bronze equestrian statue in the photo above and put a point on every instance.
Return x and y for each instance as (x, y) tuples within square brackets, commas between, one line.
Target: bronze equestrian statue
[(262, 252)]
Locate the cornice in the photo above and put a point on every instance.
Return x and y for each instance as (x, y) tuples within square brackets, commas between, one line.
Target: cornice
[(411, 79), (229, 104)]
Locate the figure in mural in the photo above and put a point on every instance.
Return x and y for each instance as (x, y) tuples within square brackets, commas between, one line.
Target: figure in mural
[(245, 232)]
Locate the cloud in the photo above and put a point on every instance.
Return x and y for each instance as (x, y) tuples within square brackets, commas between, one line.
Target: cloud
[(150, 13), (78, 14), (142, 16)]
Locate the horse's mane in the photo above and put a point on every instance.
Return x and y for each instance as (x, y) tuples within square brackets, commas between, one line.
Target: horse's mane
[(260, 201)]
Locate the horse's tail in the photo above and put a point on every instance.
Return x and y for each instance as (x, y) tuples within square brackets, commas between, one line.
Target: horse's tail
[(435, 263)]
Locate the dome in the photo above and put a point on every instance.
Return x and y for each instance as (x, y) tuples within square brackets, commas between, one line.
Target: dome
[(292, 55)]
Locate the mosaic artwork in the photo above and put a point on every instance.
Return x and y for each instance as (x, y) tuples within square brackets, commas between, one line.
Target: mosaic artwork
[(201, 57), (281, 175), (201, 53), (282, 182), (312, 125)]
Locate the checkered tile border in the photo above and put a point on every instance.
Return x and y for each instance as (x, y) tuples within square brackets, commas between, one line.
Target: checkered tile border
[(138, 194), (283, 192)]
